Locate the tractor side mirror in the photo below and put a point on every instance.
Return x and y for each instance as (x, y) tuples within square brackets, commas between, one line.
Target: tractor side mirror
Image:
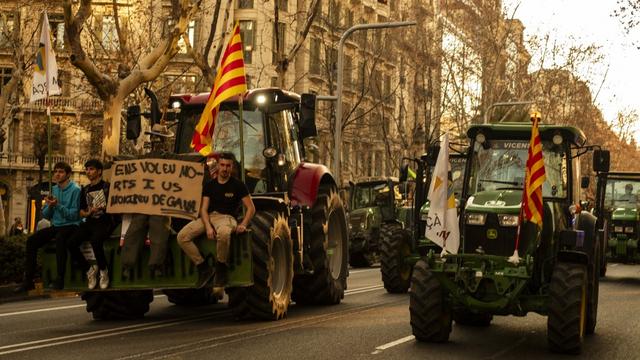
[(432, 155), (601, 160), (308, 116), (584, 182), (155, 114), (404, 173), (133, 122)]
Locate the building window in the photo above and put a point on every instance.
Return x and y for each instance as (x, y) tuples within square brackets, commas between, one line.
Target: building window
[(348, 64), (191, 35), (332, 62), (274, 81), (64, 82), (245, 4), (6, 27), (181, 84), (349, 18), (280, 44), (5, 77), (387, 85), (334, 13), (109, 34), (247, 34), (314, 56), (56, 22), (283, 5), (362, 69)]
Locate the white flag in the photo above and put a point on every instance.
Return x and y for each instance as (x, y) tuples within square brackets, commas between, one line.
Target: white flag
[(45, 72), (442, 222)]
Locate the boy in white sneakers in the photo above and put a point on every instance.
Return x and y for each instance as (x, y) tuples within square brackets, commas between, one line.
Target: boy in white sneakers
[(96, 227)]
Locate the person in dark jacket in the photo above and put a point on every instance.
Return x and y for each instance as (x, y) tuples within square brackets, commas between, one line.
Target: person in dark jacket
[(61, 208), (96, 227)]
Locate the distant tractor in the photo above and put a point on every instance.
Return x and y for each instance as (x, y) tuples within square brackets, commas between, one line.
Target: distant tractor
[(372, 202), (296, 247), (621, 210), (558, 275)]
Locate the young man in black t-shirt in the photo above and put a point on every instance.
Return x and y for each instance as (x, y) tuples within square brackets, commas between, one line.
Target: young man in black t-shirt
[(96, 226), (221, 201)]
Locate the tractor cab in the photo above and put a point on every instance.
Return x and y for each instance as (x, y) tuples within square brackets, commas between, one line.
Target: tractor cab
[(621, 209)]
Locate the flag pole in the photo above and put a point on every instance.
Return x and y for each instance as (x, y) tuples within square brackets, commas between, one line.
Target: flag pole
[(47, 74), (240, 105)]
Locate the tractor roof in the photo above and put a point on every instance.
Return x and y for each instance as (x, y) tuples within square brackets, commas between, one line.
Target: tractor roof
[(366, 182), (623, 175), (274, 95), (523, 131)]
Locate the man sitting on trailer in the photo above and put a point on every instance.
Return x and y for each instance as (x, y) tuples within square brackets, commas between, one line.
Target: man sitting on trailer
[(221, 201)]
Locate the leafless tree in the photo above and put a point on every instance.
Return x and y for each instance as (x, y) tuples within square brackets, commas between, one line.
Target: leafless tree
[(136, 56)]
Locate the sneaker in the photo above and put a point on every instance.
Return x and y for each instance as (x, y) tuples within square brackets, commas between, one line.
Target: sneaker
[(92, 280), (104, 279), (205, 273)]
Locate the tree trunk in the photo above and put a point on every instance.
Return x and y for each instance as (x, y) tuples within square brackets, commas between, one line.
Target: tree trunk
[(111, 130)]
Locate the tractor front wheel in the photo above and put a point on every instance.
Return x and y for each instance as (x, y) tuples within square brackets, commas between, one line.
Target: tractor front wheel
[(429, 312), (394, 251), (567, 319)]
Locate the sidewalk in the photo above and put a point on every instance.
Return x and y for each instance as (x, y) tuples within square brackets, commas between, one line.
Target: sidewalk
[(7, 294)]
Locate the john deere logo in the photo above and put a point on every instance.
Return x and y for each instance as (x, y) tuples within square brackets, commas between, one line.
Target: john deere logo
[(492, 234)]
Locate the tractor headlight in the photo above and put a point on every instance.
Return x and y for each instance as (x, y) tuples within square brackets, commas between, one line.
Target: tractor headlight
[(508, 220), (350, 226), (617, 229), (628, 229), (476, 218)]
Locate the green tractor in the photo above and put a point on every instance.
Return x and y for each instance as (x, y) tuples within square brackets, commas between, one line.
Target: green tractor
[(622, 213), (558, 274), (372, 202), (402, 240), (296, 246)]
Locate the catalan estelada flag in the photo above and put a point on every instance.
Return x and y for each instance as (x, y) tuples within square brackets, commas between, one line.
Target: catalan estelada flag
[(230, 81), (534, 177), (531, 209)]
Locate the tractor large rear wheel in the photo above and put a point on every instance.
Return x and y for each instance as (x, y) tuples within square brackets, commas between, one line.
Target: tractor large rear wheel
[(429, 312), (112, 305), (394, 251), (566, 322), (272, 252), (328, 253)]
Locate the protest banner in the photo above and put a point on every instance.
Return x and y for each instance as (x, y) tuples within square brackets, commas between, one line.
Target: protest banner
[(156, 187)]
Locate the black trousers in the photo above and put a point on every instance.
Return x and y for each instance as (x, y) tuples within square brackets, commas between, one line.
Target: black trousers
[(96, 232), (59, 234)]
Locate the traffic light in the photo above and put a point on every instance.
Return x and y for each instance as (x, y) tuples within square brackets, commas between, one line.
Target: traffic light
[(133, 122)]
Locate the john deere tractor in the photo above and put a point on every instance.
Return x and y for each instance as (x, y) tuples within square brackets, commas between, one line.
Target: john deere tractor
[(372, 202), (403, 238), (622, 213), (558, 269), (296, 246)]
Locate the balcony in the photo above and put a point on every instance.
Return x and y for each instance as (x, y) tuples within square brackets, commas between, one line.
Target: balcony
[(66, 104), (9, 161)]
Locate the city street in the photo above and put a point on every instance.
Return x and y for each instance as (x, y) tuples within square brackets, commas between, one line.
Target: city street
[(369, 323)]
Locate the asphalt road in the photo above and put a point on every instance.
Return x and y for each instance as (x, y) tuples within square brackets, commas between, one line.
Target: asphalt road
[(369, 323)]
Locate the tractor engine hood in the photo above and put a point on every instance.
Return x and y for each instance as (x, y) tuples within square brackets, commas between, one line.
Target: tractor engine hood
[(622, 214), (502, 201)]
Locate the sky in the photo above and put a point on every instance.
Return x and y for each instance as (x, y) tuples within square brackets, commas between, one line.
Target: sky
[(617, 79)]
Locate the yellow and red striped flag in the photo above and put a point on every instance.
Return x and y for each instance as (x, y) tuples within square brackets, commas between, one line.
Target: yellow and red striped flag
[(531, 209), (534, 177), (230, 81)]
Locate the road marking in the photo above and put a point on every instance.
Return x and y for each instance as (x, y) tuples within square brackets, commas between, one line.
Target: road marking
[(51, 309), (383, 347), (56, 341)]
